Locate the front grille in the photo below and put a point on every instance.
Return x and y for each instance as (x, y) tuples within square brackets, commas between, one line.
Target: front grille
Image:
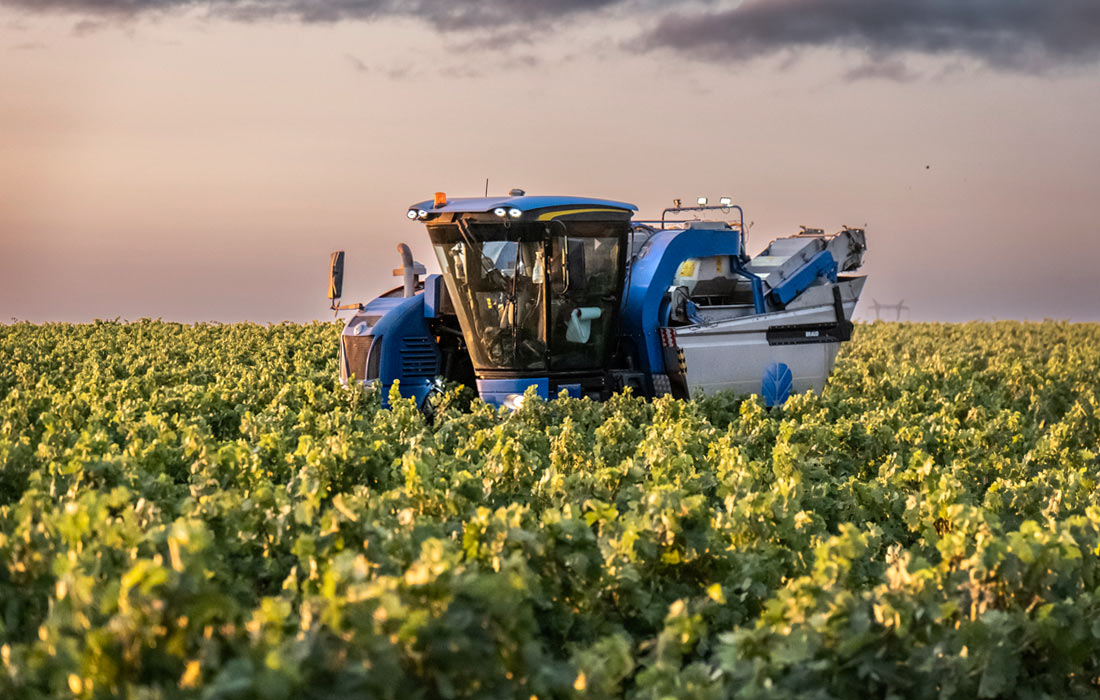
[(356, 350), (419, 357)]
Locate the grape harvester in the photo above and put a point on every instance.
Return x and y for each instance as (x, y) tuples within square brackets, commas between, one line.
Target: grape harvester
[(576, 294)]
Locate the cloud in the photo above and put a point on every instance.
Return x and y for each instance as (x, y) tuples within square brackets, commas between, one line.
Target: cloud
[(1016, 35), (399, 72), (460, 72), (442, 14), (495, 39), (357, 63), (1019, 35), (393, 72), (87, 26), (885, 69)]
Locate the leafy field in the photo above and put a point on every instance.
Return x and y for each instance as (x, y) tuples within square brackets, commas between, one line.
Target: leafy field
[(202, 511)]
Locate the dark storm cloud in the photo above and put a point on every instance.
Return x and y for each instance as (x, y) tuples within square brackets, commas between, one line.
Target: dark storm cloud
[(1027, 35), (443, 14)]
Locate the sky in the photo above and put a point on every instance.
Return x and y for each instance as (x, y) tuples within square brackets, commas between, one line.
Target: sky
[(198, 161)]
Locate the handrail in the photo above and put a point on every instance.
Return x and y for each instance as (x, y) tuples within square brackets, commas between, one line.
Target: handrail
[(740, 223), (707, 207)]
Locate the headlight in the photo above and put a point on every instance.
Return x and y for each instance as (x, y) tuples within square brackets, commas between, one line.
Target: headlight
[(411, 214), (513, 402), (356, 354), (515, 213), (500, 211)]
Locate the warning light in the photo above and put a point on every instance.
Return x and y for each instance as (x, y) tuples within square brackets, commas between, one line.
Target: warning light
[(440, 199)]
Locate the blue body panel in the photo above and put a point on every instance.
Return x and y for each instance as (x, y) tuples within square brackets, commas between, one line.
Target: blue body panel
[(495, 391), (819, 265), (650, 277), (433, 295), (409, 352), (574, 390), (478, 205)]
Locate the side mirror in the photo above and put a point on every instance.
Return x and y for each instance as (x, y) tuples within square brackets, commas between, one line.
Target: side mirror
[(336, 275)]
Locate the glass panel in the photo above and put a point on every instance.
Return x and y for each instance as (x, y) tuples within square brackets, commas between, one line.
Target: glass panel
[(518, 288), (586, 281), (498, 290)]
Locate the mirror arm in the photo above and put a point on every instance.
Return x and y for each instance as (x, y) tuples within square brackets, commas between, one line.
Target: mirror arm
[(336, 309)]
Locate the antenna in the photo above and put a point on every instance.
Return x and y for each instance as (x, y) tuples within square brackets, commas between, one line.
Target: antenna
[(486, 187)]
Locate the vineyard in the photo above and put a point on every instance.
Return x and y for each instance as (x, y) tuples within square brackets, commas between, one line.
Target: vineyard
[(203, 511)]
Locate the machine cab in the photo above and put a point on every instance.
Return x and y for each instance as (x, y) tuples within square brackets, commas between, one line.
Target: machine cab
[(536, 283)]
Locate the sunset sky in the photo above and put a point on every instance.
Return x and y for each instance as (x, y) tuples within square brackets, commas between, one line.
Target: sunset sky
[(199, 160)]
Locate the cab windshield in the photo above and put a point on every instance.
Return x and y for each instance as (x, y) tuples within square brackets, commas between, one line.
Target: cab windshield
[(534, 296)]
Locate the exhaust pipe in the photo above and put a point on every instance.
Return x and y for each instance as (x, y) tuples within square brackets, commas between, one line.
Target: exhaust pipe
[(410, 270)]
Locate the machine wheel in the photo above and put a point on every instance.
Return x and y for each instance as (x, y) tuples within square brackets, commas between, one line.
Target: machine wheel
[(426, 406)]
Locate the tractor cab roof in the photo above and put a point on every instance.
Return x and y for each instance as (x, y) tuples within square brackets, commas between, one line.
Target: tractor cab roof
[(523, 203)]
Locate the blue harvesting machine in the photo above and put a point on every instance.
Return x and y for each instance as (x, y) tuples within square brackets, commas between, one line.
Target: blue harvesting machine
[(575, 294)]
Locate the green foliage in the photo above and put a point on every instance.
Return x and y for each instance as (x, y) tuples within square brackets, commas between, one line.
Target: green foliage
[(204, 512)]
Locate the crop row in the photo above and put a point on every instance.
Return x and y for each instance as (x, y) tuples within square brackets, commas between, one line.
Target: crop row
[(203, 511)]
